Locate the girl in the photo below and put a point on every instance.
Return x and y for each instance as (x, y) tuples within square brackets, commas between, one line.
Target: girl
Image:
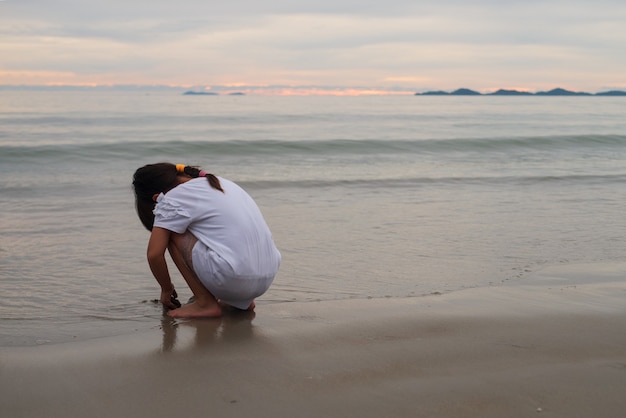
[(215, 234)]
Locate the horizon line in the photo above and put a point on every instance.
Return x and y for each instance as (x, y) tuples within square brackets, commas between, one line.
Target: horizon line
[(284, 90)]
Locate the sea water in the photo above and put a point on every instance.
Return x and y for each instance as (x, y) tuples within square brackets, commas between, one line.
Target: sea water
[(367, 197)]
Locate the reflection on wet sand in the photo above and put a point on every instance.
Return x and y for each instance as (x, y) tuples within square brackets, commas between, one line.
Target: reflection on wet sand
[(233, 327)]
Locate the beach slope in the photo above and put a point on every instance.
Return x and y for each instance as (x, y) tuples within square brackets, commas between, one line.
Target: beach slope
[(554, 347)]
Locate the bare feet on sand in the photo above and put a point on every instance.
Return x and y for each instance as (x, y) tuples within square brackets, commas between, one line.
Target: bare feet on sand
[(194, 310)]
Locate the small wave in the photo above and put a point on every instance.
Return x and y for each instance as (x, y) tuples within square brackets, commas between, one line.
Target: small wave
[(133, 150), (437, 181)]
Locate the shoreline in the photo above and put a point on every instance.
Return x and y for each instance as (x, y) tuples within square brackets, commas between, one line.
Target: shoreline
[(553, 344)]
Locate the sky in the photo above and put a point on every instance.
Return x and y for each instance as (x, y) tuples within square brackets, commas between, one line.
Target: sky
[(316, 46)]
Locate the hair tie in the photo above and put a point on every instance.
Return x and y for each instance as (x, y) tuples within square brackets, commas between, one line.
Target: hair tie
[(180, 168), (202, 173)]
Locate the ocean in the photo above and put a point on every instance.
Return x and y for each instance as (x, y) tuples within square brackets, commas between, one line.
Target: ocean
[(367, 197)]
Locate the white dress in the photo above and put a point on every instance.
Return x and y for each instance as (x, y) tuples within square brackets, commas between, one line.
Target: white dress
[(235, 256)]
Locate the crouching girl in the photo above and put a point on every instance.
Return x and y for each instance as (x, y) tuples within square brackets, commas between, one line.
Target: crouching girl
[(215, 234)]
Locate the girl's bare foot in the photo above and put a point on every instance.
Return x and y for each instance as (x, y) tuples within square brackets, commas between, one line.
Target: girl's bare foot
[(194, 310)]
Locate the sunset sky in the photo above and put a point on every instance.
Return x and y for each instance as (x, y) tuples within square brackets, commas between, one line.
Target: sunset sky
[(317, 47)]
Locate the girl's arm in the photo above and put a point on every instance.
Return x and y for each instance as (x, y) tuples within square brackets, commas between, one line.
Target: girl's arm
[(159, 241)]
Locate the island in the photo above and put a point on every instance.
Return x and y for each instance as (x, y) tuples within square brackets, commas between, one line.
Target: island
[(562, 92), (458, 92), (504, 92), (200, 93), (612, 93)]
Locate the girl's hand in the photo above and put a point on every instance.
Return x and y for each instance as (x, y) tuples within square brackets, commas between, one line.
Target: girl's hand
[(168, 299)]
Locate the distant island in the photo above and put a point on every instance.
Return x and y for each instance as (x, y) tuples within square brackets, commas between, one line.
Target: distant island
[(504, 92), (200, 93)]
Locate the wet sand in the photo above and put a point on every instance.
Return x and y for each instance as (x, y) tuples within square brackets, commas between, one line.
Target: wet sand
[(554, 346)]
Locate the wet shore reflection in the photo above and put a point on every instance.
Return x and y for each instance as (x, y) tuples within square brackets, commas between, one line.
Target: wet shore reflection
[(233, 327)]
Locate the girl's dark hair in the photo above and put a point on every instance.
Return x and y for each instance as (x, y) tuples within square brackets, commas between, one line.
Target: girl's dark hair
[(158, 178)]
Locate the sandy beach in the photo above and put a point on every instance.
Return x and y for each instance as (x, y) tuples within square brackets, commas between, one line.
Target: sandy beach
[(554, 346)]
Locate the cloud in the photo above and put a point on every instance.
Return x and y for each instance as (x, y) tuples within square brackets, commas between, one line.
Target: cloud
[(346, 43), (63, 10)]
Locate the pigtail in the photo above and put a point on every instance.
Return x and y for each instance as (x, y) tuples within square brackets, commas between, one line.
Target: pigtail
[(195, 172), (214, 182)]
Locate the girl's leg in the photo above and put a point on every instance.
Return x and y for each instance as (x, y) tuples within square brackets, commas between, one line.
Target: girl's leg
[(204, 305)]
